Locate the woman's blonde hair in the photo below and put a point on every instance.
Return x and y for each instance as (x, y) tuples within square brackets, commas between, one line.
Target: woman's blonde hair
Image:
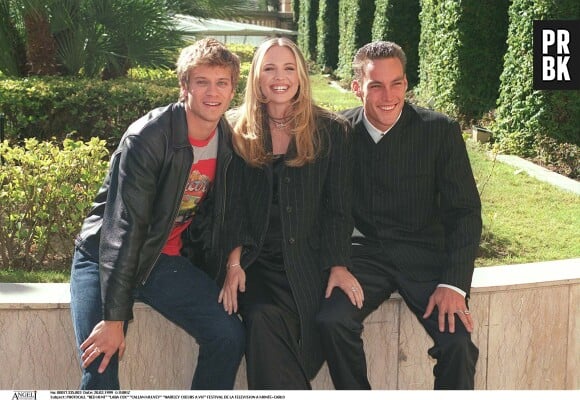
[(249, 139)]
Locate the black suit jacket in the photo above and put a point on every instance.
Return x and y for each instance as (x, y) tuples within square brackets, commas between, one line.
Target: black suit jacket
[(415, 196)]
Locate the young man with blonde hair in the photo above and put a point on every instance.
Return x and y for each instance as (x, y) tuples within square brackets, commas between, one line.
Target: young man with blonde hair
[(131, 245)]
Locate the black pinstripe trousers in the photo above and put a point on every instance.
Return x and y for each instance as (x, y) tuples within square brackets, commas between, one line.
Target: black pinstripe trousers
[(341, 325), (273, 360)]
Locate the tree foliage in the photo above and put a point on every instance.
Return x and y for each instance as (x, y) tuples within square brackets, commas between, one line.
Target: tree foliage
[(94, 37)]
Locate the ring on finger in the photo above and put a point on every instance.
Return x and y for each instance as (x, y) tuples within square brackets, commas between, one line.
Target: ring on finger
[(353, 289)]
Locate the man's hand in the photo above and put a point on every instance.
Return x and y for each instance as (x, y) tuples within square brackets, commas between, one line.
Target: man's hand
[(235, 280), (342, 278), (449, 303), (107, 337)]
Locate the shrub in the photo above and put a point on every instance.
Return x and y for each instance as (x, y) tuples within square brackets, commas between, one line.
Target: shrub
[(327, 38), (460, 56), (308, 11), (483, 28), (80, 108), (60, 108), (355, 28), (244, 51), (562, 157), (439, 55), (524, 115), (239, 97), (45, 192), (161, 77), (398, 21)]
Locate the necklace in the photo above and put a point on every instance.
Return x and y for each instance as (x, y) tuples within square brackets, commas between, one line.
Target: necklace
[(280, 123)]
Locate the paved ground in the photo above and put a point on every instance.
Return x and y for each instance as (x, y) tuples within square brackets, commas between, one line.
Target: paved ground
[(541, 173)]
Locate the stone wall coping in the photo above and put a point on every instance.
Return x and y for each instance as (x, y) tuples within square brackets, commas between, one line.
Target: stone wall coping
[(523, 276), (485, 279)]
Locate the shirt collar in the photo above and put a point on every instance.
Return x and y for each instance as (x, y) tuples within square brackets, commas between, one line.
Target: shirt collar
[(377, 134)]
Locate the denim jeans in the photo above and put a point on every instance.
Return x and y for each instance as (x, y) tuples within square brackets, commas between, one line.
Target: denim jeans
[(182, 293)]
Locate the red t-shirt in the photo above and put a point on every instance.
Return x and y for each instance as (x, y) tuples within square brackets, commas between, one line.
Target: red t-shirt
[(200, 178)]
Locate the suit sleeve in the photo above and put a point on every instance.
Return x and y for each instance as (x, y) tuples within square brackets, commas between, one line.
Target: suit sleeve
[(461, 209), (337, 223), (234, 226)]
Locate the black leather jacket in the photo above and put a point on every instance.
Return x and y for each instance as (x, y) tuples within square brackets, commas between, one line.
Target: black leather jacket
[(135, 208)]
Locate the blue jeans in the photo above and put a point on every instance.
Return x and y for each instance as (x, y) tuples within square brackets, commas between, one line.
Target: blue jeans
[(183, 294)]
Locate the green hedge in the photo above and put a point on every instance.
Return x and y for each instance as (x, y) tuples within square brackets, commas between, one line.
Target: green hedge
[(524, 116), (439, 55), (46, 191), (398, 21), (461, 51), (355, 26), (295, 9), (46, 188), (483, 27), (308, 11), (327, 38), (381, 24), (56, 107), (244, 51)]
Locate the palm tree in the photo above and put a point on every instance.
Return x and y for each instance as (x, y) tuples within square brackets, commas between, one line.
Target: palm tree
[(12, 46), (123, 34), (30, 17), (94, 37)]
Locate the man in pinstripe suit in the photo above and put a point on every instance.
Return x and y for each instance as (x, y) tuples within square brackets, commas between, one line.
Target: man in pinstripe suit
[(417, 215)]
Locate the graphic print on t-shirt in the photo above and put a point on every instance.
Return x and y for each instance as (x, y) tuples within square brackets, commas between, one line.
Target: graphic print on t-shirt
[(196, 188), (201, 176)]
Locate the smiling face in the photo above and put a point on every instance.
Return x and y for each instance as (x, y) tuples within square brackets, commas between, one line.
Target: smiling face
[(382, 90), (279, 80), (208, 93)]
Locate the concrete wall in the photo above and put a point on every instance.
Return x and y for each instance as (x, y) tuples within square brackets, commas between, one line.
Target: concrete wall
[(527, 329)]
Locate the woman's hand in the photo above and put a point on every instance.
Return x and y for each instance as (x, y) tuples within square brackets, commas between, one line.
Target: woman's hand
[(235, 280)]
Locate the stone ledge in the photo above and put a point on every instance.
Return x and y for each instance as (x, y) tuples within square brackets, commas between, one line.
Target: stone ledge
[(521, 276), (527, 329), (485, 279)]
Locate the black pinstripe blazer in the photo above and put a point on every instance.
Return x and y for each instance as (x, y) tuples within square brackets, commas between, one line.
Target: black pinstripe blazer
[(416, 195), (315, 206)]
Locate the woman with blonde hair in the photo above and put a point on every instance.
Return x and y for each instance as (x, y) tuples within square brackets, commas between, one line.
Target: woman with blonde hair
[(287, 218)]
